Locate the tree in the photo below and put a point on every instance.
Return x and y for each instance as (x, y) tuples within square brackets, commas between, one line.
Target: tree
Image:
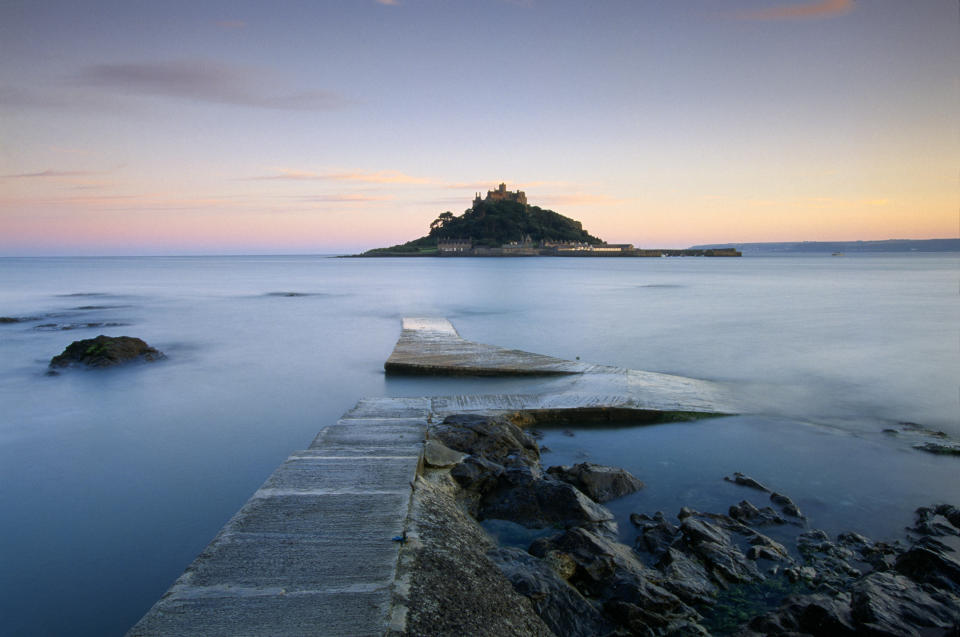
[(439, 222)]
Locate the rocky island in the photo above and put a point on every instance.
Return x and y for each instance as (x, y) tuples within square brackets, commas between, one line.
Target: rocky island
[(503, 224)]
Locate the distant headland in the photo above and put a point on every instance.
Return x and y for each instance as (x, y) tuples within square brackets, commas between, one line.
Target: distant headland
[(503, 224)]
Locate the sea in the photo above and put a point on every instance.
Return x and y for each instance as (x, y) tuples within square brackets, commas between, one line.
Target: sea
[(112, 481)]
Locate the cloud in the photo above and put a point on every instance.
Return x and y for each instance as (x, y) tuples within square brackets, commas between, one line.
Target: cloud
[(376, 177), (347, 198), (203, 81), (51, 173), (389, 3), (821, 9)]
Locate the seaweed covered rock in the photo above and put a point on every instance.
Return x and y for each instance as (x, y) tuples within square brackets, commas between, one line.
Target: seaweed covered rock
[(105, 351)]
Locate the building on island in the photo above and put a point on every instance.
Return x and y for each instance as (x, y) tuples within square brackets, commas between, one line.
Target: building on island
[(454, 246), (502, 194)]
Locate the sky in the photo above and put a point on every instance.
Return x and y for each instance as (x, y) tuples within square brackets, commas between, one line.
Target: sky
[(332, 126)]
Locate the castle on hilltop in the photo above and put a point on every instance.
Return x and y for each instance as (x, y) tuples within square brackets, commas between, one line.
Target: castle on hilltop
[(502, 194)]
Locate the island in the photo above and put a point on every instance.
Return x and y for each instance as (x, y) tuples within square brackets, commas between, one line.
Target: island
[(503, 224)]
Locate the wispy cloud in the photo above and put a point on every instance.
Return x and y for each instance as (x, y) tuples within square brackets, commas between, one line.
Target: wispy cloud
[(51, 174), (389, 3), (345, 198), (803, 10), (375, 177), (203, 81)]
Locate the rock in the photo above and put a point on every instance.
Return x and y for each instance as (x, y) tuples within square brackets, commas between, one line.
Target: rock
[(817, 615), (495, 439), (557, 603), (747, 513), (437, 454), (657, 535), (687, 578), (4, 320), (600, 482), (745, 481), (543, 503), (786, 504), (106, 351), (454, 587), (891, 604), (610, 572), (477, 474), (936, 521), (951, 513), (931, 562), (939, 448)]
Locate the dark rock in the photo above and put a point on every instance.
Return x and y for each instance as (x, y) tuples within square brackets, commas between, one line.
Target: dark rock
[(936, 521), (714, 546), (746, 481), (600, 482), (477, 474), (687, 578), (747, 513), (557, 603), (610, 572), (891, 604), (816, 615), (939, 448), (932, 562), (106, 351), (51, 327), (496, 439), (568, 433), (951, 513), (5, 320), (542, 503), (657, 536), (786, 504)]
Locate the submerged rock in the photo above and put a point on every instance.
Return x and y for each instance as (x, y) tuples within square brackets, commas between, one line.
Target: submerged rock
[(746, 481), (939, 448), (600, 482), (16, 319), (106, 351)]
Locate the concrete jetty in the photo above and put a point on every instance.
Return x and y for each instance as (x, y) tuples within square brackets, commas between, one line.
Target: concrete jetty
[(312, 552), (432, 346)]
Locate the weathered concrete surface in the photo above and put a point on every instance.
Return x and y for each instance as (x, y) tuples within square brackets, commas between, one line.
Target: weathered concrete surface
[(311, 553), (433, 346)]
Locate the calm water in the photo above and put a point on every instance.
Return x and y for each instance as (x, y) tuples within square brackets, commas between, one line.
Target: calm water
[(112, 481)]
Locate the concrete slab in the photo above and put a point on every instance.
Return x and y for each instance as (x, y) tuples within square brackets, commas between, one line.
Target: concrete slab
[(312, 551), (433, 346), (332, 614)]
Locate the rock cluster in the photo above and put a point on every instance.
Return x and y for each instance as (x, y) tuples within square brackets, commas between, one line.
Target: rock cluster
[(701, 573), (105, 351)]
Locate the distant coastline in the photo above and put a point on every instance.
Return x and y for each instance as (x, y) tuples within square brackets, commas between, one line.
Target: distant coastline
[(844, 247)]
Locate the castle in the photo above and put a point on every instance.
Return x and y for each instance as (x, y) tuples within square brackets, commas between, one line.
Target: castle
[(502, 194)]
